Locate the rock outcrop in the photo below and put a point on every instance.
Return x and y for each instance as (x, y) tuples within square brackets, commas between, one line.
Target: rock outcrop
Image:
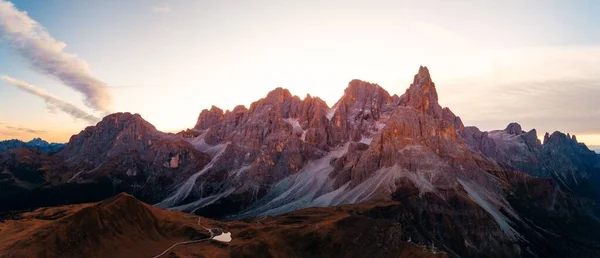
[(208, 118), (422, 96), (513, 128), (362, 110)]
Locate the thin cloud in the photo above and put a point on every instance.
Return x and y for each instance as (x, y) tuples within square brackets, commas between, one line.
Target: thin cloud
[(11, 134), (42, 51), (26, 130), (53, 103), (161, 8)]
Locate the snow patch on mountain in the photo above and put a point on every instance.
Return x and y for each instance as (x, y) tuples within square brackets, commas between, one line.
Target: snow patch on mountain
[(294, 123), (331, 112), (296, 127), (303, 137), (366, 140)]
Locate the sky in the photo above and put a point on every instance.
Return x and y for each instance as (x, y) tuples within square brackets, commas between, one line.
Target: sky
[(64, 64)]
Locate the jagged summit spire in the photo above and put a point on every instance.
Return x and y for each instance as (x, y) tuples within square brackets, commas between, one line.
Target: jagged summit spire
[(422, 94), (423, 72)]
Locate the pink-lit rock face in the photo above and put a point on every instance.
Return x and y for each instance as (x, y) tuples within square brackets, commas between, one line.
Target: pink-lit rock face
[(130, 151)]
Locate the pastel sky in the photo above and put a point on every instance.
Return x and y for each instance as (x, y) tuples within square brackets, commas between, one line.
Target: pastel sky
[(67, 63)]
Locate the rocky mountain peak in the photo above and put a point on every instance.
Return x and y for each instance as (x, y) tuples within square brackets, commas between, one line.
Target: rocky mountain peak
[(279, 101), (238, 109), (514, 128), (124, 120), (116, 134), (358, 90), (38, 142), (109, 128), (278, 95), (208, 118), (127, 150), (362, 96), (559, 138), (422, 95), (560, 141), (424, 72), (362, 104)]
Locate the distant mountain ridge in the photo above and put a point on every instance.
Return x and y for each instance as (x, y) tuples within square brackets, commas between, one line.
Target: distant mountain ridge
[(35, 143)]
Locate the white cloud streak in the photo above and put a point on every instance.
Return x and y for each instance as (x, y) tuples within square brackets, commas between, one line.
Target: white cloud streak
[(42, 51), (161, 8), (26, 130), (53, 102)]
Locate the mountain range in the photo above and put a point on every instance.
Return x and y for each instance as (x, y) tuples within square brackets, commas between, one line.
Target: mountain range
[(36, 143), (375, 174)]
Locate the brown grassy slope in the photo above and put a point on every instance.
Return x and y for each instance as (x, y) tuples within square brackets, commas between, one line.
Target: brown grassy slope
[(122, 226)]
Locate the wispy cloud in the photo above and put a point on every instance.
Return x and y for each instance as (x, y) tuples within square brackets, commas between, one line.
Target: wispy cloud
[(26, 130), (161, 8), (52, 102), (5, 133), (46, 54)]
